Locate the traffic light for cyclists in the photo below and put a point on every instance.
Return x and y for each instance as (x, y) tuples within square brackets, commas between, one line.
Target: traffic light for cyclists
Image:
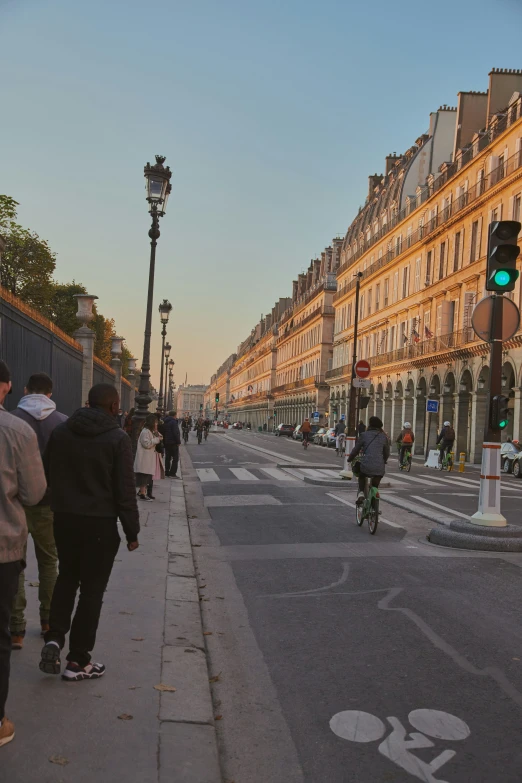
[(499, 412), (200, 406), (503, 250), (217, 397)]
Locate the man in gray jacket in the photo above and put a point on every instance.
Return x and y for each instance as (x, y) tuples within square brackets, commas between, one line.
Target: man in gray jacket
[(39, 411), (22, 483)]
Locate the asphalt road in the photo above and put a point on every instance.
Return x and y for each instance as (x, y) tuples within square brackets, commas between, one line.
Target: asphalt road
[(344, 657)]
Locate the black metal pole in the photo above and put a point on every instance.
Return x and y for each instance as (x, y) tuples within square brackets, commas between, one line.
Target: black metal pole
[(166, 380), (351, 428), (495, 366), (143, 398), (160, 395)]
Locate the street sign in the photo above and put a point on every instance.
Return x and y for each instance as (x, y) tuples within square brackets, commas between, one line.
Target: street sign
[(343, 417), (316, 416), (481, 319), (432, 406), (362, 368), (361, 383)]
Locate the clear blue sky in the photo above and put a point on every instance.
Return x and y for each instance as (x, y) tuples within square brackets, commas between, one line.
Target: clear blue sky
[(271, 114)]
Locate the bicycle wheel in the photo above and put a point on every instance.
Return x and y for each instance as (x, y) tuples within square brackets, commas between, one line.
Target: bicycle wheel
[(373, 516), (408, 464), (359, 512)]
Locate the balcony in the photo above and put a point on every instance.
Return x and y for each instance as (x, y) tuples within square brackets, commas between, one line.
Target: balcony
[(454, 169), (338, 372), (312, 380), (327, 310)]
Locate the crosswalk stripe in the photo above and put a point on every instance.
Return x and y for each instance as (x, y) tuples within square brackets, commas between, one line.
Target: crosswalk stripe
[(444, 508), (406, 477), (243, 474), (313, 473), (278, 474), (207, 474)]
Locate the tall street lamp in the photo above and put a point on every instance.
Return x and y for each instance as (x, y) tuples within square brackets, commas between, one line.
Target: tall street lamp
[(171, 384), (164, 311), (158, 190), (166, 355)]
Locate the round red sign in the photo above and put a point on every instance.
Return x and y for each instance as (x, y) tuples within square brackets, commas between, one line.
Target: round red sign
[(362, 368)]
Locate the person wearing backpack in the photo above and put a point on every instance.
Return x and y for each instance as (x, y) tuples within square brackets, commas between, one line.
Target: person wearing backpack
[(405, 440), (446, 439)]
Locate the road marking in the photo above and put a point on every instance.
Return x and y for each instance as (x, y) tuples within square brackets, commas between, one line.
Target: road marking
[(243, 474), (406, 477), (357, 726), (352, 505), (443, 508), (241, 500), (280, 457), (278, 474), (207, 474)]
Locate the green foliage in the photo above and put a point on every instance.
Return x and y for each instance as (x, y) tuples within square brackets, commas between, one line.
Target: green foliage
[(63, 306), (104, 329)]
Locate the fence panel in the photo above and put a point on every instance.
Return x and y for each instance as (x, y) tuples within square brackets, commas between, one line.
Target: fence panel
[(28, 345)]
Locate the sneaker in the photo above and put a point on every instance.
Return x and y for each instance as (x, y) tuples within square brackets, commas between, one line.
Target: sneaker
[(50, 662), (7, 731), (176, 477), (44, 627), (74, 672), (144, 497), (151, 497), (17, 641)]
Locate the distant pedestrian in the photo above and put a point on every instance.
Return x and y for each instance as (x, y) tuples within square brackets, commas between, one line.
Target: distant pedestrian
[(361, 427), (120, 418), (39, 411), (89, 466), (127, 426), (172, 440), (148, 463), (22, 483)]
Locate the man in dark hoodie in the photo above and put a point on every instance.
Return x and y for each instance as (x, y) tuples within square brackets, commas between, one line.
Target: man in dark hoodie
[(89, 466), (172, 440), (39, 411)]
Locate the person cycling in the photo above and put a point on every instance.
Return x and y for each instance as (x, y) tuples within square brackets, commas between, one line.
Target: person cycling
[(206, 427), (446, 440), (375, 448), (185, 427), (306, 430), (340, 428), (199, 427), (405, 440)]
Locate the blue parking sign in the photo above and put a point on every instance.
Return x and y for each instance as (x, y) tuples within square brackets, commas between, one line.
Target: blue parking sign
[(432, 406)]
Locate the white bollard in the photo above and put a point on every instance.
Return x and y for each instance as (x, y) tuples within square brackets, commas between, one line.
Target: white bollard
[(346, 472), (489, 496)]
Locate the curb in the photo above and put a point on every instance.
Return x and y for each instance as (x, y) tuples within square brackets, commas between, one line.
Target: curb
[(188, 742), (465, 535)]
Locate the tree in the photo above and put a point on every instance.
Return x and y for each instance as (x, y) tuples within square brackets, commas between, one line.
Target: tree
[(63, 306), (104, 329)]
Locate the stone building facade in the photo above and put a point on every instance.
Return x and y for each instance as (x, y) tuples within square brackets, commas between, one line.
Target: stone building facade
[(421, 248), (190, 399)]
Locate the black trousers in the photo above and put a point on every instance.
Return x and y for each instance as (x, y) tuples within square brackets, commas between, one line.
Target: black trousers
[(9, 573), (374, 481), (86, 548), (171, 459)]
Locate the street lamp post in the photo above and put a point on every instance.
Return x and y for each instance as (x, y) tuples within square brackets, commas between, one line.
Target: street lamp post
[(158, 190), (164, 311), (165, 372), (171, 384)]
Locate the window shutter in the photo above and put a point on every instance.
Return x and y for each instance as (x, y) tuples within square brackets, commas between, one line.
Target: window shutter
[(479, 237)]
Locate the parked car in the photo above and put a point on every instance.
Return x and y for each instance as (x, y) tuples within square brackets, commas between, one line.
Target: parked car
[(318, 436), (296, 433), (510, 455), (284, 429), (329, 438)]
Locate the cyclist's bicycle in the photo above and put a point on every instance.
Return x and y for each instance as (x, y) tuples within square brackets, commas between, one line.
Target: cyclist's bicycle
[(446, 463), (206, 433), (368, 508), (185, 435), (200, 436), (342, 444), (306, 436), (406, 462)]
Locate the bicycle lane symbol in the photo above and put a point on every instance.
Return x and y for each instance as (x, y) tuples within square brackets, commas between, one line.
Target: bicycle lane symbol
[(357, 726)]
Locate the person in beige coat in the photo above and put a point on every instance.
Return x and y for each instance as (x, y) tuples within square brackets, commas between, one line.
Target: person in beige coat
[(148, 463), (22, 483)]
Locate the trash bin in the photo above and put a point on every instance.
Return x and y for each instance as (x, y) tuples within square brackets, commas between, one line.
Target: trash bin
[(260, 429)]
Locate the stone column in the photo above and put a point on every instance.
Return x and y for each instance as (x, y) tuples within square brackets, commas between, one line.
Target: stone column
[(131, 377), (85, 337), (116, 346), (516, 413)]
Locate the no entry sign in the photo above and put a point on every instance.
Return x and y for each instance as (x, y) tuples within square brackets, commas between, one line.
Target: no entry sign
[(362, 368)]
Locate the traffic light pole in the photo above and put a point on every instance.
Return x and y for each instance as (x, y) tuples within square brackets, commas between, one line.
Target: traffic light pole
[(489, 496), (351, 430)]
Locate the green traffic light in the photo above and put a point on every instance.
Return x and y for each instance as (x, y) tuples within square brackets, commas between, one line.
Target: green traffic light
[(503, 423), (502, 277)]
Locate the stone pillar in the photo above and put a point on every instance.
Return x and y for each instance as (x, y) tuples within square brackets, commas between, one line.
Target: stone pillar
[(131, 377), (516, 413), (116, 346), (478, 421), (85, 337)]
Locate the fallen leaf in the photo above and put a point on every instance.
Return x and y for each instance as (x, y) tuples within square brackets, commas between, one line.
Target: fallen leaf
[(202, 587), (34, 584), (97, 695), (61, 760), (515, 659), (196, 544), (221, 598), (215, 678), (134, 687), (164, 688), (125, 612), (207, 633), (125, 716), (137, 638), (218, 717), (190, 651)]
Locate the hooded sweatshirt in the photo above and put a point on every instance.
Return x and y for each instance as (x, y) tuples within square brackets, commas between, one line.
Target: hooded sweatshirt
[(89, 466)]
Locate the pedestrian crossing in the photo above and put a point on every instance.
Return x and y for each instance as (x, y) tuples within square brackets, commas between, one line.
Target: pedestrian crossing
[(207, 475)]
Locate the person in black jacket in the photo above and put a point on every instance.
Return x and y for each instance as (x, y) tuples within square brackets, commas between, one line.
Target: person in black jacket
[(172, 440), (89, 467)]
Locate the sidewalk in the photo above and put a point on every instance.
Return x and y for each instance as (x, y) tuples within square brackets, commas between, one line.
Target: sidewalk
[(150, 634)]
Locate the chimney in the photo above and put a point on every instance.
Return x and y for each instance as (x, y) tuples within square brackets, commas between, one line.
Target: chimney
[(336, 254), (391, 160), (373, 181), (309, 276), (503, 82), (294, 291), (472, 114), (301, 288), (317, 269)]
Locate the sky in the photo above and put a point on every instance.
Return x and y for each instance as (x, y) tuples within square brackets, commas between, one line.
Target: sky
[(271, 115)]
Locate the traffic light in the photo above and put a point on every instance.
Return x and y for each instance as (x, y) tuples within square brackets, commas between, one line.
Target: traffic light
[(503, 250), (217, 397), (499, 412), (200, 406), (275, 414)]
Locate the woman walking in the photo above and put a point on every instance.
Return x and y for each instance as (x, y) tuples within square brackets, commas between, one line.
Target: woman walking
[(148, 463)]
